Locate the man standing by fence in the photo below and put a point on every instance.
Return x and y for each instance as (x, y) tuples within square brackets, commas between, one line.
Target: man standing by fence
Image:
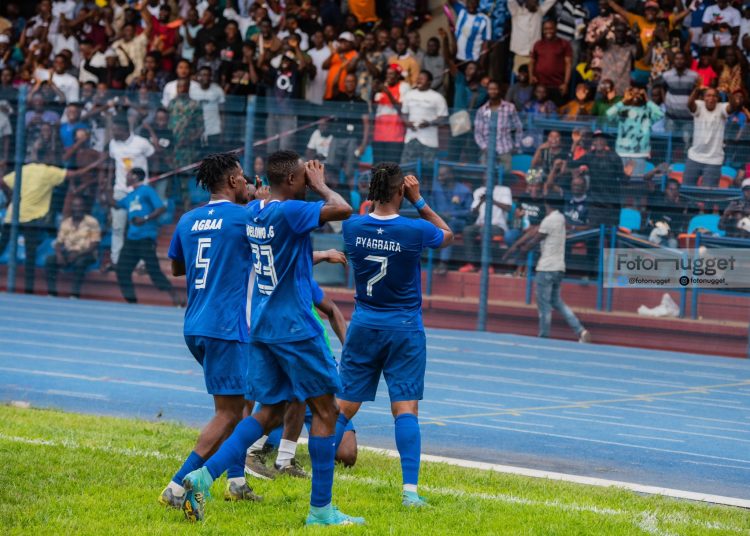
[(550, 269)]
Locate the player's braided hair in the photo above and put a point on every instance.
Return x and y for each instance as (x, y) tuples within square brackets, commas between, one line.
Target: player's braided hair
[(213, 170), (386, 179)]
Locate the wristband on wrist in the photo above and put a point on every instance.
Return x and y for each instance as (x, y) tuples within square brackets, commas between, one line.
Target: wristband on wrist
[(420, 203)]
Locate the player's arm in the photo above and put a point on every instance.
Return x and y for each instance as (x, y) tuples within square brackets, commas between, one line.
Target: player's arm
[(335, 208), (178, 268), (335, 317), (332, 256), (411, 191)]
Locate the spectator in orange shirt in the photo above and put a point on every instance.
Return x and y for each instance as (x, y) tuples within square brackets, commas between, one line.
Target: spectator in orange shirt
[(339, 60)]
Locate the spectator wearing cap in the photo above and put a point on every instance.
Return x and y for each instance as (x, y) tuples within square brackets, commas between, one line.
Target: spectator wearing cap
[(283, 86), (526, 28), (706, 154), (143, 208), (350, 128), (423, 109), (606, 178), (113, 73), (645, 25), (668, 215), (552, 63), (509, 127), (735, 214), (339, 60), (409, 65), (389, 129), (721, 25)]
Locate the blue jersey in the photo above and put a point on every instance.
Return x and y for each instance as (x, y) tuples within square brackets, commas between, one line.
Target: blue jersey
[(385, 255), (317, 293), (141, 202), (210, 241), (279, 234)]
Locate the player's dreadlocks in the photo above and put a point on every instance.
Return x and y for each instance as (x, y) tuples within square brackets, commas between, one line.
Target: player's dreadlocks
[(213, 170), (386, 179)]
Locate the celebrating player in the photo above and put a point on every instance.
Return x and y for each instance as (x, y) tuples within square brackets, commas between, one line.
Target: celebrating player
[(386, 334), (289, 359), (285, 437), (209, 247)]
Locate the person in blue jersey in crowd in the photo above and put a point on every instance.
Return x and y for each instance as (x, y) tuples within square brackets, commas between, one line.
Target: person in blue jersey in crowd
[(284, 438), (210, 248), (144, 207), (386, 335), (289, 357)]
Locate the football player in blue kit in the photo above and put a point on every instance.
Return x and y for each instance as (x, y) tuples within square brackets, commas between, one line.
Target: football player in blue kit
[(210, 248), (386, 335), (289, 358)]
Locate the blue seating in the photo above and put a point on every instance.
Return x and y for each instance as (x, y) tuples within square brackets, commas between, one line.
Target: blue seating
[(630, 219), (521, 162), (729, 171), (710, 222)]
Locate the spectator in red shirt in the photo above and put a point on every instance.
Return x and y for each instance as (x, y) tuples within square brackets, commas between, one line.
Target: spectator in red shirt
[(551, 63), (163, 36)]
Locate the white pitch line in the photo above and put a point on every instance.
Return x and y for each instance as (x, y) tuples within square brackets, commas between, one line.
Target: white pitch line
[(507, 469), (577, 479), (107, 339), (32, 357), (652, 438)]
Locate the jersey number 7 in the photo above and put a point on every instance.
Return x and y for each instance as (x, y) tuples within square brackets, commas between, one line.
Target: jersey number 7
[(380, 275)]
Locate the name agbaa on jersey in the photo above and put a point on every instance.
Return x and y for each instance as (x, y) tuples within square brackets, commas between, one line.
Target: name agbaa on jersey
[(207, 225)]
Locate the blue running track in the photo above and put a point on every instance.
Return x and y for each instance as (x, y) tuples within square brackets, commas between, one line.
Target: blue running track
[(656, 418)]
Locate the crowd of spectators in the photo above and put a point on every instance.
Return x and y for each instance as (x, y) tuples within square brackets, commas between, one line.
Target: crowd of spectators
[(587, 89)]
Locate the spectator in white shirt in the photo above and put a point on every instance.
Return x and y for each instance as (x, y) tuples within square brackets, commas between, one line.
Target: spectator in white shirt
[(706, 154), (95, 58), (183, 72), (64, 84), (66, 40), (502, 200), (319, 144), (423, 109), (212, 98), (526, 28), (128, 152), (319, 53), (723, 21)]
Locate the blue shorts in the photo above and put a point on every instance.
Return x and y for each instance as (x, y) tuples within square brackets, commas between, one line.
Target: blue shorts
[(224, 363), (400, 355), (291, 371)]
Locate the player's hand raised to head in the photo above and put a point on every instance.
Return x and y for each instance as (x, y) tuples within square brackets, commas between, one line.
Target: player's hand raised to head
[(315, 176), (411, 188)]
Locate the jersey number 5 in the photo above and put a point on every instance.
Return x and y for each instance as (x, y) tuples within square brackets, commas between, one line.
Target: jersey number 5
[(380, 275), (202, 262)]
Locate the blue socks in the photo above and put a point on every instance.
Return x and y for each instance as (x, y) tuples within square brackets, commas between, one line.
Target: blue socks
[(409, 445), (247, 432), (192, 463), (274, 438), (341, 424), (322, 454)]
